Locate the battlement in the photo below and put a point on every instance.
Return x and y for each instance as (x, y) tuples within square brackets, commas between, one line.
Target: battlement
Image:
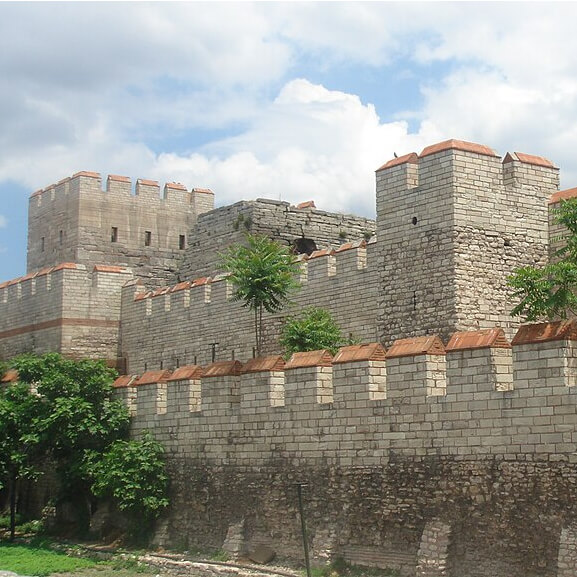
[(478, 395)]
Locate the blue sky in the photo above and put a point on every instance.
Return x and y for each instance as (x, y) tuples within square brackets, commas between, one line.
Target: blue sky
[(287, 100)]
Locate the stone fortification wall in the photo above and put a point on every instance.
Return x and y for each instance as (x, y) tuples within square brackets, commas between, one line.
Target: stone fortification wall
[(76, 221), (302, 227), (69, 308), (177, 325), (453, 223), (454, 460)]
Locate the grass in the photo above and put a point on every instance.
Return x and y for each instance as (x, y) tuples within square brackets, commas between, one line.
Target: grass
[(38, 561), (340, 568)]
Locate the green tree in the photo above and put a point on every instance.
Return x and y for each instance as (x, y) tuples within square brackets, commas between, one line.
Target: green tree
[(263, 273), (20, 410), (313, 330), (79, 415), (133, 474), (550, 291)]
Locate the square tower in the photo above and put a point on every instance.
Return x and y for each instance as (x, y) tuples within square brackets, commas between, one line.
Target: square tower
[(452, 224)]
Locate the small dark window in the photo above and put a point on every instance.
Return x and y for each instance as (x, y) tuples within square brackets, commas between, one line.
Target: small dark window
[(181, 242), (114, 234), (61, 236), (147, 238), (415, 220), (42, 244)]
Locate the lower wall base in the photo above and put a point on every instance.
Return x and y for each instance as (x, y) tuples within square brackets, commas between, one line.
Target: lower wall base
[(436, 517)]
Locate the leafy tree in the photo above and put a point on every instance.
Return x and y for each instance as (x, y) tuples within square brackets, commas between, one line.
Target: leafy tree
[(313, 330), (133, 474), (263, 273), (20, 410), (551, 291)]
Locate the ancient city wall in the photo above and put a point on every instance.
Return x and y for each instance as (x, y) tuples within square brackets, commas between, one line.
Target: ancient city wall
[(453, 223), (76, 221), (434, 459), (303, 228), (177, 325), (68, 308)]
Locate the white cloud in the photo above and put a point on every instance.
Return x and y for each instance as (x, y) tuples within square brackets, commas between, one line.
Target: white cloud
[(3, 221)]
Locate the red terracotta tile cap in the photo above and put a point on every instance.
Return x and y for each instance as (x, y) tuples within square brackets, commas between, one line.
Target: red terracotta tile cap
[(119, 178), (458, 145), (175, 185), (322, 252), (65, 180), (151, 377), (469, 340), (124, 381), (65, 266), (427, 345), (353, 353), (203, 190), (563, 195), (181, 286), (306, 204), (4, 284), (147, 182), (161, 291), (411, 158), (87, 173), (320, 358), (142, 296), (13, 281), (543, 332), (44, 271), (222, 369), (187, 373), (10, 376), (109, 268), (264, 364), (28, 276), (201, 281), (528, 159), (37, 193)]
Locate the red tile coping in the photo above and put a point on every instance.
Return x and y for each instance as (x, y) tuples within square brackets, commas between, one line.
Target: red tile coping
[(322, 252), (124, 381), (65, 266), (306, 204), (528, 159), (458, 145), (147, 182), (87, 173), (142, 296), (181, 286), (353, 353), (563, 195), (469, 340), (201, 281), (320, 358), (153, 377), (10, 376), (427, 345), (161, 291), (543, 332), (264, 364), (37, 193), (109, 268), (222, 369), (186, 373), (175, 185), (411, 158), (119, 178), (203, 190)]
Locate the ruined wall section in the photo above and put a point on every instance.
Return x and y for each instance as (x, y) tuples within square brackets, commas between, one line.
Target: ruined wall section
[(68, 308), (76, 221), (178, 325), (216, 230), (454, 223)]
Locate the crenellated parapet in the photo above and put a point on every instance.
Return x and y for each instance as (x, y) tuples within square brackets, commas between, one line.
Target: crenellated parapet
[(477, 395)]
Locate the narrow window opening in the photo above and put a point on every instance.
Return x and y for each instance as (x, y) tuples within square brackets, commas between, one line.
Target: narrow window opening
[(415, 220), (61, 237), (42, 244), (114, 234), (147, 238), (181, 242)]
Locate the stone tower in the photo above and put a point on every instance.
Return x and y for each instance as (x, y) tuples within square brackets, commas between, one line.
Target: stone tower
[(452, 224), (76, 221)]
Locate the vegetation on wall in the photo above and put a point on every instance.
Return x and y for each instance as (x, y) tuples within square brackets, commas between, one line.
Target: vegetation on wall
[(263, 274), (64, 410), (550, 292), (314, 329)]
